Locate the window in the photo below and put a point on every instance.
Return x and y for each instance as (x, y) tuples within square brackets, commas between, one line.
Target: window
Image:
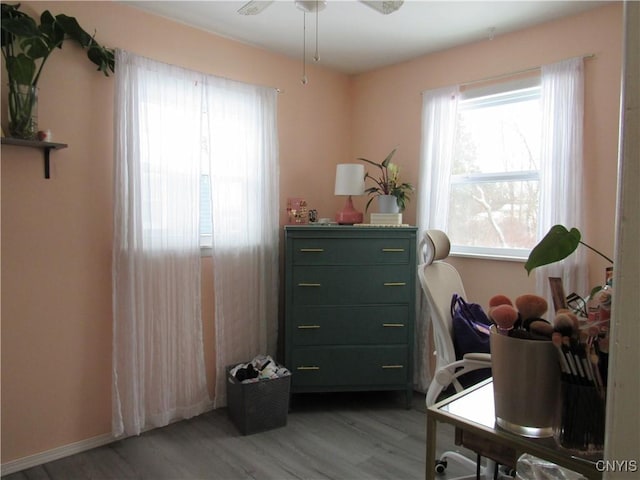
[(494, 179), (206, 223)]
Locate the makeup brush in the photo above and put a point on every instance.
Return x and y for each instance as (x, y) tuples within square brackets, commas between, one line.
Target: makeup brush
[(556, 338), (595, 360), (499, 300), (572, 316), (566, 348), (541, 327), (564, 325), (504, 316)]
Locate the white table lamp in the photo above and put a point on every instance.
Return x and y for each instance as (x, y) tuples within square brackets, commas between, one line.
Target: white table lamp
[(349, 181)]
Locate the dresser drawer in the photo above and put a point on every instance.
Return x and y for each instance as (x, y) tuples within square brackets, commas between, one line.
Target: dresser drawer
[(349, 366), (349, 307), (350, 251), (351, 285), (359, 325)]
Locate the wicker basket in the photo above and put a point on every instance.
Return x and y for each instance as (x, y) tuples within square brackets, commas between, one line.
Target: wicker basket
[(258, 406)]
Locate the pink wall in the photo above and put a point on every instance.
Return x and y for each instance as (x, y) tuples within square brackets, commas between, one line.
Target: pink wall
[(56, 234), (387, 112)]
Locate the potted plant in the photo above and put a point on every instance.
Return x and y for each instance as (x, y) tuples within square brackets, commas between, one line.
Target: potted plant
[(388, 184), (26, 46)]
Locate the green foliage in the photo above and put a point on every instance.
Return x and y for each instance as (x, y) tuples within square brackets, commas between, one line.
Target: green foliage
[(388, 183), (26, 46), (557, 245)]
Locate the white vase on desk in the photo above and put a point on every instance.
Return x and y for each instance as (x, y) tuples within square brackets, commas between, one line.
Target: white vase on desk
[(388, 204), (526, 385)]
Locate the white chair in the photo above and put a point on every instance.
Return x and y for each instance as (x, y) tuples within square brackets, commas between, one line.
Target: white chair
[(439, 281)]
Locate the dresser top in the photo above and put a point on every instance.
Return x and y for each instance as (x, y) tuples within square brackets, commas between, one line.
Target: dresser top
[(358, 228)]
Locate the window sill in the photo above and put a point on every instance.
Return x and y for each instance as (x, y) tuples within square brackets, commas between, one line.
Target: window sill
[(487, 256), (206, 251)]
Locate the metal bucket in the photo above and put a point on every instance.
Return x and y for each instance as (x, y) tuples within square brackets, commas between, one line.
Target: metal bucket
[(526, 385)]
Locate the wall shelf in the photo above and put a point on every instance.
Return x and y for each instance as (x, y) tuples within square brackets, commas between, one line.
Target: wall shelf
[(45, 146)]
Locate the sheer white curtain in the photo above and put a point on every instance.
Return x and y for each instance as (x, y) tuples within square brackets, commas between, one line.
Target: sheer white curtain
[(561, 199), (158, 361), (245, 203), (439, 112), (175, 127)]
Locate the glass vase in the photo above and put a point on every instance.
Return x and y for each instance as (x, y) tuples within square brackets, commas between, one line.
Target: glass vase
[(23, 111)]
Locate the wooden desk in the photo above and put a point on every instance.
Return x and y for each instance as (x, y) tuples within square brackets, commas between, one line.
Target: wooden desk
[(472, 413)]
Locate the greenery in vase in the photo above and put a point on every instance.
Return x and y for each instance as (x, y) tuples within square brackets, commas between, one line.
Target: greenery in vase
[(26, 46), (388, 183)]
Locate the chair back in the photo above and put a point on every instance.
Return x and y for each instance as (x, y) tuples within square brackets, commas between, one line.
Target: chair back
[(439, 281)]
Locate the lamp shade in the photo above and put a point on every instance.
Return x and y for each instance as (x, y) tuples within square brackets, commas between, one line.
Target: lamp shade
[(349, 179)]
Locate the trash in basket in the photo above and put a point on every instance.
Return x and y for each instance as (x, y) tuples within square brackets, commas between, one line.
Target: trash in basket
[(258, 395)]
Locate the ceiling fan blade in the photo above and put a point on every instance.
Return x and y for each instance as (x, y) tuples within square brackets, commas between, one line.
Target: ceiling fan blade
[(254, 7), (384, 7)]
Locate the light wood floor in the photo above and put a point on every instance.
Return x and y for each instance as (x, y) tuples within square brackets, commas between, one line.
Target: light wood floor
[(328, 436)]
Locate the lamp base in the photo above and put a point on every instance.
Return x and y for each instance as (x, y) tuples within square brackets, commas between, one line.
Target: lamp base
[(349, 215)]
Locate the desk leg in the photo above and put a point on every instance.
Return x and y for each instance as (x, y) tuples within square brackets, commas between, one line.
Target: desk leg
[(431, 448)]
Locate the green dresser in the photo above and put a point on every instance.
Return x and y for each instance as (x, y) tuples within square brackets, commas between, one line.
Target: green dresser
[(350, 307)]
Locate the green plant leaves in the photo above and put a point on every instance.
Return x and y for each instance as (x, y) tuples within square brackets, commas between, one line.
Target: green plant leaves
[(35, 47), (386, 184), (556, 245), (21, 26), (26, 45), (386, 161), (21, 69), (73, 29)]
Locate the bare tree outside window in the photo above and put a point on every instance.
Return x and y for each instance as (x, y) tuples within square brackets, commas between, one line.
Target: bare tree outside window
[(495, 173)]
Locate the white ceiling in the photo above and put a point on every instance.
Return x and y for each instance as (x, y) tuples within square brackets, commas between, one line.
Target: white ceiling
[(354, 38)]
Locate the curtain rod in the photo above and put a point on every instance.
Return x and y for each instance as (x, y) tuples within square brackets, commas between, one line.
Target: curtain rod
[(512, 74)]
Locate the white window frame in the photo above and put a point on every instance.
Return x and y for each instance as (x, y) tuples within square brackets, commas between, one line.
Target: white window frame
[(493, 95)]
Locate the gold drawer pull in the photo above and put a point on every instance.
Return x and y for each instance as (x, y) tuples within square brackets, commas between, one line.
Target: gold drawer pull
[(308, 327), (395, 284), (392, 366), (308, 368), (314, 250), (393, 325), (393, 249), (309, 284)]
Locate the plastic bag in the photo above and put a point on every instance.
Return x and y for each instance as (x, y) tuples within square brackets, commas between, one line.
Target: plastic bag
[(534, 468)]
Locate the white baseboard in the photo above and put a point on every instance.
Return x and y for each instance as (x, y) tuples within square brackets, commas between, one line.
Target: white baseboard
[(55, 454)]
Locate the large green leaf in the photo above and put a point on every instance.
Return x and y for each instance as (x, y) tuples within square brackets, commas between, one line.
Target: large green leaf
[(21, 69), (35, 48), (21, 27), (52, 31), (556, 245), (74, 30)]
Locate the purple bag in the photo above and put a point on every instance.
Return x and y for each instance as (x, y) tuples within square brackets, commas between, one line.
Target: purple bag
[(470, 335), (470, 327)]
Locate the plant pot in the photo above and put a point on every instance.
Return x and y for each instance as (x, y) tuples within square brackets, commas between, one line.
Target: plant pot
[(388, 204), (23, 111)]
